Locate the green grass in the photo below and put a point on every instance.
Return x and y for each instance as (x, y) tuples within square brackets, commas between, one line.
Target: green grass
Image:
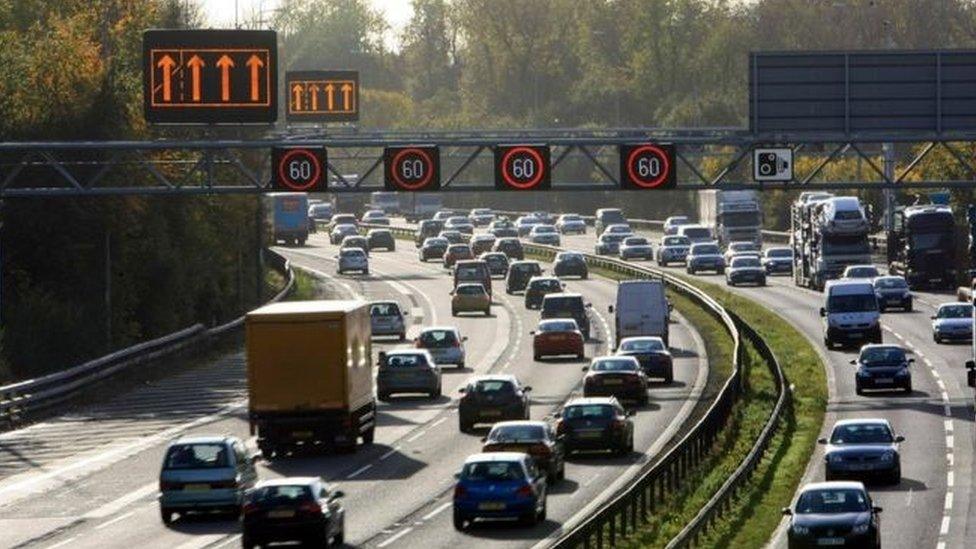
[(306, 287)]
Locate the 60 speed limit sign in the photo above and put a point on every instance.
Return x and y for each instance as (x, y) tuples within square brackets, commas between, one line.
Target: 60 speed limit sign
[(647, 166), (299, 169), (414, 168), (522, 168)]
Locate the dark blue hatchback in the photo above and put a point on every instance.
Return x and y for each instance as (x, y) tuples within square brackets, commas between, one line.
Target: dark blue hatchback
[(500, 485)]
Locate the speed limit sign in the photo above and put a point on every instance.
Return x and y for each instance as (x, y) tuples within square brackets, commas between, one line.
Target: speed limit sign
[(522, 167), (413, 168), (299, 169), (647, 166)]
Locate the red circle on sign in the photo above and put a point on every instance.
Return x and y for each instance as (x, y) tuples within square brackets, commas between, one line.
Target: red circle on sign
[(429, 165), (294, 185), (532, 182), (651, 183)]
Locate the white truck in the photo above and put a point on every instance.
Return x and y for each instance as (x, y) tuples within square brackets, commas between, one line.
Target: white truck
[(733, 216), (827, 234), (418, 206)]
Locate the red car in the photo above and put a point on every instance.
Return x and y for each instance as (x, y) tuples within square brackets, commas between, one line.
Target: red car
[(557, 336), (616, 376), (455, 253)]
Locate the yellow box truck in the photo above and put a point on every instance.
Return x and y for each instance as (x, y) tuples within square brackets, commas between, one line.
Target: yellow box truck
[(310, 375)]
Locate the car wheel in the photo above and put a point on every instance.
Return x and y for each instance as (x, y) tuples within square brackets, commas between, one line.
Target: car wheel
[(690, 271), (542, 514), (488, 311), (828, 476), (909, 307), (366, 271), (383, 396), (453, 312), (465, 426), (895, 478), (166, 515), (458, 521), (247, 543), (403, 336), (369, 435), (882, 310), (721, 271), (858, 390), (936, 338), (536, 357), (460, 365)]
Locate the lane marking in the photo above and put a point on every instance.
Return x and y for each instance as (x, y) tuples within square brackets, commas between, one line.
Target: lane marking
[(202, 541), (950, 479), (389, 453), (116, 519), (440, 508), (62, 543), (945, 526), (948, 501), (392, 539), (360, 471), (117, 505), (418, 435)]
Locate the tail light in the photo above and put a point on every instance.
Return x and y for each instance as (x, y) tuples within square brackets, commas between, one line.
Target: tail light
[(417, 344), (618, 425), (525, 491), (309, 508), (457, 343), (460, 491)]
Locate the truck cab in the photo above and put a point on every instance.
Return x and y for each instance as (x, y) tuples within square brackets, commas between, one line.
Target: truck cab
[(922, 244), (732, 215)]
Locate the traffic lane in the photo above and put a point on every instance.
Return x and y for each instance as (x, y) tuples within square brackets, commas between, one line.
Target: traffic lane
[(588, 476)]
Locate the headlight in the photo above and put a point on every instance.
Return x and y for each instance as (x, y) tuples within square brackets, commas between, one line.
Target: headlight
[(903, 372), (800, 530), (861, 528), (834, 458), (906, 295), (888, 456)]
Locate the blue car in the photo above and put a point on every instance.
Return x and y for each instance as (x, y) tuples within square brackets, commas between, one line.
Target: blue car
[(500, 485)]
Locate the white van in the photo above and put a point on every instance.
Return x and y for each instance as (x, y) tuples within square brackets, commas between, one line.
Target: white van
[(850, 313), (642, 310), (697, 234), (843, 215)]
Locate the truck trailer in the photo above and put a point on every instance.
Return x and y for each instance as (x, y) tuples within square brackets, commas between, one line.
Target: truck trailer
[(827, 235), (733, 216), (288, 213)]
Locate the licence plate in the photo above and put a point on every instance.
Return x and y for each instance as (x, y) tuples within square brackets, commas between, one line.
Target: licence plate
[(830, 541), (196, 487), (590, 434), (558, 337), (613, 382), (884, 380), (281, 514), (855, 334), (301, 434), (491, 506), (491, 413), (894, 300), (861, 467)]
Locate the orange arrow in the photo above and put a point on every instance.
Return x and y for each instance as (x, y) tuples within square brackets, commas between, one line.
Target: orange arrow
[(254, 63), (347, 97), (195, 64), (330, 97), (313, 92), (296, 91), (167, 64), (225, 63)]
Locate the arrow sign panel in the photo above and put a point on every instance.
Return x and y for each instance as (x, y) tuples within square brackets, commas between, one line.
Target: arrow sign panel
[(324, 96), (210, 76)]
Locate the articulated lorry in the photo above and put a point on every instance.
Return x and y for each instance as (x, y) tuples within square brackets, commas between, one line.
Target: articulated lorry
[(827, 235), (733, 216), (922, 246), (310, 376), (418, 206)]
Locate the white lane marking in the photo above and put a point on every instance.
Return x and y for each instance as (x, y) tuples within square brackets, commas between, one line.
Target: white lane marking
[(950, 461), (418, 435), (389, 453), (202, 541), (950, 479), (940, 384), (113, 521), (945, 526), (228, 541), (897, 335), (929, 363), (433, 513), (948, 425), (436, 423), (947, 410), (62, 543), (395, 537), (908, 499), (948, 501), (117, 505), (360, 471)]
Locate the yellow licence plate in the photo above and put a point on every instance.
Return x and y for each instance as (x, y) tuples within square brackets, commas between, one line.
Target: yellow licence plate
[(196, 487)]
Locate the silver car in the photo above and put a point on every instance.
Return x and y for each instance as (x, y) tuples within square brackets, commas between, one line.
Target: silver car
[(636, 247), (544, 234), (407, 371), (341, 231), (445, 344), (352, 259), (672, 249), (386, 319), (571, 223), (953, 322)]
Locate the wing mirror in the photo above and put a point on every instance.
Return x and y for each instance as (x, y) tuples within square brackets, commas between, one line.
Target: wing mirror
[(933, 317), (787, 512), (585, 368), (464, 338), (526, 389), (463, 390), (338, 494), (823, 311), (877, 509), (911, 361), (854, 361), (532, 332), (899, 438), (589, 305), (610, 308), (821, 441)]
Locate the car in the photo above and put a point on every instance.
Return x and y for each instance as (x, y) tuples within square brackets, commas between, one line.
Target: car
[(433, 248), (492, 398), (381, 238), (525, 223), (571, 224), (741, 247), (861, 271), (304, 509), (342, 231), (375, 217), (407, 371), (557, 337), (705, 257), (545, 234), (501, 223), (893, 291), (426, 229), (672, 223), (443, 215), (343, 219), (882, 367), (608, 244), (651, 353), (321, 211), (504, 232), (482, 243), (568, 305), (498, 485), (745, 269), (605, 217), (387, 319), (619, 229), (460, 224), (352, 259), (519, 274), (481, 216), (497, 263), (953, 322), (455, 253), (850, 313), (205, 474), (697, 234), (355, 241), (444, 343), (833, 514), (570, 264), (636, 247), (672, 249), (454, 237), (472, 270), (538, 287), (862, 449), (543, 216), (618, 376), (511, 247), (536, 438), (470, 297), (778, 260), (595, 423)]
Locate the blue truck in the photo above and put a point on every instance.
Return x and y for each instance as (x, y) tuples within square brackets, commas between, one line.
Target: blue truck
[(288, 213)]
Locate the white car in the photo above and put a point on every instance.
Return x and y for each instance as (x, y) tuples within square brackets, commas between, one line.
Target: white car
[(481, 216), (460, 224), (745, 269), (672, 223), (861, 271), (742, 247), (352, 259), (375, 217), (953, 322), (672, 249), (571, 223), (544, 234), (636, 247)]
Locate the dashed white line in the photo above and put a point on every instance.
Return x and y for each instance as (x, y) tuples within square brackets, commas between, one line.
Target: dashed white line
[(395, 537), (433, 513), (950, 479), (948, 425), (948, 501), (113, 521), (360, 471), (418, 435), (945, 526), (62, 543), (389, 453)]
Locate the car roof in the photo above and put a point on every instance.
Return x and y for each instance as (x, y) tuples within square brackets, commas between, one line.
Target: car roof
[(407, 351), (287, 481), (488, 457), (952, 303), (585, 401), (384, 302), (862, 421), (556, 320), (612, 357), (883, 346), (641, 338), (563, 294), (834, 484), (493, 377), (543, 277), (470, 285), (203, 439), (849, 283), (439, 328), (520, 423)]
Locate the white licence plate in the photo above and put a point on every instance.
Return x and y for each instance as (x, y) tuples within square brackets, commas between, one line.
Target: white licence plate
[(491, 506), (884, 380), (830, 541), (861, 467), (281, 514)]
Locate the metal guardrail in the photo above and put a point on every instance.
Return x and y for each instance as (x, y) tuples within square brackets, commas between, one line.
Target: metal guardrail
[(20, 399)]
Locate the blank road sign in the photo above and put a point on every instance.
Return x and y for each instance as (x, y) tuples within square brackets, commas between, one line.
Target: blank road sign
[(322, 96), (210, 76)]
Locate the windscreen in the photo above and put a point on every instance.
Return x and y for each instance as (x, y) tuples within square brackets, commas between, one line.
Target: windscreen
[(779, 252), (437, 339), (562, 304), (865, 433), (587, 411), (384, 309), (197, 456), (740, 262), (494, 387), (614, 366), (956, 311), (406, 361), (469, 272), (832, 501), (471, 290), (740, 219), (642, 345), (493, 471), (557, 326), (612, 216), (710, 249), (516, 433), (636, 241), (855, 303), (546, 285)]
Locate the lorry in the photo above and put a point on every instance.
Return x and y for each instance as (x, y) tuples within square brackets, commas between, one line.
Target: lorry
[(418, 206), (387, 202), (733, 216), (310, 376), (827, 234), (922, 245), (288, 214), (642, 309)]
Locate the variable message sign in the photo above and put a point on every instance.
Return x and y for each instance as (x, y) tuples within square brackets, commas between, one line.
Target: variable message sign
[(414, 168), (210, 76), (522, 168), (647, 166), (300, 169), (322, 96)]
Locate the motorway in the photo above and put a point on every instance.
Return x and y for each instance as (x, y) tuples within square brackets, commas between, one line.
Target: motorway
[(89, 477)]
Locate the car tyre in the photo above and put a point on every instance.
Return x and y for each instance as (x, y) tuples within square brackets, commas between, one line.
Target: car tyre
[(895, 478), (536, 357), (909, 307), (936, 338), (402, 336), (908, 388), (669, 377), (370, 435), (458, 521), (454, 311), (858, 390), (166, 515), (247, 543)]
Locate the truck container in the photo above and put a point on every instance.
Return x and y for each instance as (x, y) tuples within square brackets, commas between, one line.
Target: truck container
[(288, 213), (823, 243), (387, 202), (310, 375), (922, 246), (417, 206), (733, 216)]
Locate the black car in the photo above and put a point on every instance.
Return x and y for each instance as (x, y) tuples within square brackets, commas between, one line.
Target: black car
[(433, 248), (595, 424), (616, 376), (427, 229), (293, 509), (893, 291), (535, 438), (882, 367), (519, 274), (538, 287), (570, 264), (497, 263), (454, 237), (511, 247), (381, 238), (863, 449), (565, 305), (839, 514), (652, 354), (492, 398)]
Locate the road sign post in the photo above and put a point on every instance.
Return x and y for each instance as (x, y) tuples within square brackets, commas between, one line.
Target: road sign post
[(322, 96), (415, 168), (301, 169), (522, 168), (647, 166)]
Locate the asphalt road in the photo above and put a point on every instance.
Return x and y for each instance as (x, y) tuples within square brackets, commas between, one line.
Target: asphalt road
[(88, 479)]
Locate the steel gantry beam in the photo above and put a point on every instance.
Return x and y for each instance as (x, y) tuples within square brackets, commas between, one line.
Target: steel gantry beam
[(582, 160)]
